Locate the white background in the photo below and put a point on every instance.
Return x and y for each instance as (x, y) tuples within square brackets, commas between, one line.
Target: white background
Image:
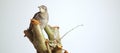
[(100, 33)]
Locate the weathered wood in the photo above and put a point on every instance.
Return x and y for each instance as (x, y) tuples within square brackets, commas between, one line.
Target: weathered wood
[(50, 32), (42, 45), (54, 38), (39, 39)]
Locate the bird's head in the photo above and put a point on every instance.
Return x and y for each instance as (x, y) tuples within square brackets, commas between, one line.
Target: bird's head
[(42, 8)]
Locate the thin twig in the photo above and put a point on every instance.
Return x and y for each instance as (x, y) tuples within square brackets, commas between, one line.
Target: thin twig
[(70, 30)]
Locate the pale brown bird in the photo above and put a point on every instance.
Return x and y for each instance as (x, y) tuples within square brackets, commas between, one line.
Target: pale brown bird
[(42, 16)]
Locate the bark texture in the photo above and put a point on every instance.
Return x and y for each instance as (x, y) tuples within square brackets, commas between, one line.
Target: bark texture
[(41, 44)]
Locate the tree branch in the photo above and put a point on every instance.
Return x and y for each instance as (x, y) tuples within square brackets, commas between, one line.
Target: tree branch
[(42, 45)]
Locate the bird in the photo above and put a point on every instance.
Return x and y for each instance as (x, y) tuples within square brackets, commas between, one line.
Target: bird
[(42, 16)]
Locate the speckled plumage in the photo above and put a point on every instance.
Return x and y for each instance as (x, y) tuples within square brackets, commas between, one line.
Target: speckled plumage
[(41, 16)]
